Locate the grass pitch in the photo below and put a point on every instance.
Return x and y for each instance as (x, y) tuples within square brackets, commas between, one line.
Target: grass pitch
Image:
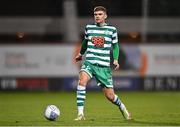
[(147, 108)]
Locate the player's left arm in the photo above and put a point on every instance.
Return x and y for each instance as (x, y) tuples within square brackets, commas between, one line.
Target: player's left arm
[(115, 55), (115, 46)]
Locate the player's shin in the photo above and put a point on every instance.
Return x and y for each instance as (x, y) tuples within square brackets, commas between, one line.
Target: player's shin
[(116, 100), (122, 107)]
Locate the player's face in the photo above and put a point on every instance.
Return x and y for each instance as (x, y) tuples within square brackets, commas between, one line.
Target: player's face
[(100, 16)]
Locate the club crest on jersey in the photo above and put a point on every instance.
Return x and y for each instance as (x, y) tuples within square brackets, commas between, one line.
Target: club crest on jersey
[(106, 32)]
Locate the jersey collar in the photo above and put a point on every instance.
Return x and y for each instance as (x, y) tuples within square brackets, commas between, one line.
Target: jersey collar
[(101, 25)]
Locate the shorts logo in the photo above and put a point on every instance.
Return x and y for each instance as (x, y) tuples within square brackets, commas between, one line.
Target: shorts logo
[(83, 66), (110, 80), (98, 41), (88, 68)]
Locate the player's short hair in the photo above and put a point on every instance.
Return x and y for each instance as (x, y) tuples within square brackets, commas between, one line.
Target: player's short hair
[(100, 8)]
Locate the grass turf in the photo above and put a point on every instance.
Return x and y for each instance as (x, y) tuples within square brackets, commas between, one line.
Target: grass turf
[(147, 108)]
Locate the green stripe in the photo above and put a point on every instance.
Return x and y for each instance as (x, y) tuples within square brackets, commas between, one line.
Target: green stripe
[(80, 104), (98, 54), (94, 47), (81, 99), (95, 34), (81, 93), (98, 59), (106, 42)]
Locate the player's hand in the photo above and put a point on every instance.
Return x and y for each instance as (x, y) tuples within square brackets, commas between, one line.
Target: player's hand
[(116, 64), (78, 57)]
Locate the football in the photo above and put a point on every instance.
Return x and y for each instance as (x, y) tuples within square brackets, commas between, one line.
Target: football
[(52, 112)]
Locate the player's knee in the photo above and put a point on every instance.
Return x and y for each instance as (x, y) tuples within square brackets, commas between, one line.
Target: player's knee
[(82, 83), (110, 96)]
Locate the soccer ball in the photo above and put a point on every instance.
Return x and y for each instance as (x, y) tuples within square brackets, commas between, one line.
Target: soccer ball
[(52, 112)]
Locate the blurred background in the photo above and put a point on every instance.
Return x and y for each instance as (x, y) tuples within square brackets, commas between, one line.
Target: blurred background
[(39, 39)]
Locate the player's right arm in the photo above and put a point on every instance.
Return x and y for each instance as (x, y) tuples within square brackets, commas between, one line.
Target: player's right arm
[(82, 51)]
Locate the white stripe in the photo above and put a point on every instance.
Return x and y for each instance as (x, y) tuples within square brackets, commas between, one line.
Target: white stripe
[(109, 86), (81, 96), (80, 101), (114, 41), (90, 76), (89, 26), (81, 92), (99, 84), (101, 57), (105, 45), (114, 35), (99, 51), (106, 38), (90, 43), (99, 62), (99, 32), (110, 27), (116, 38)]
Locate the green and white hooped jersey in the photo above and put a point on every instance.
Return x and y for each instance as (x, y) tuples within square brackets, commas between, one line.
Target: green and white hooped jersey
[(99, 42)]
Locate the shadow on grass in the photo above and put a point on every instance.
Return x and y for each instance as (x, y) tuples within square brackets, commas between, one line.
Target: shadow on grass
[(139, 122), (134, 122)]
